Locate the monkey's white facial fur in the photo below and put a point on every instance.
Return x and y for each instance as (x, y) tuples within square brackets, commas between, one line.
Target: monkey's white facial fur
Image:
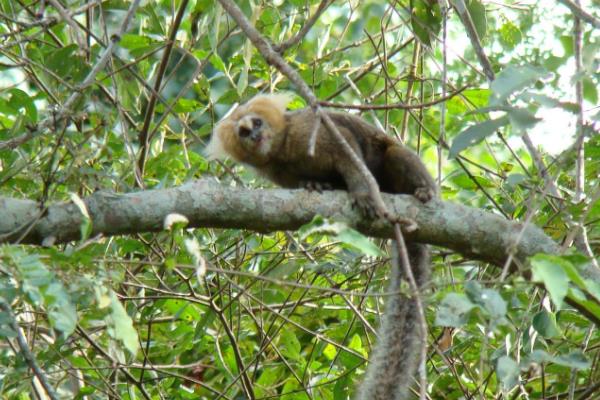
[(255, 134), (252, 131)]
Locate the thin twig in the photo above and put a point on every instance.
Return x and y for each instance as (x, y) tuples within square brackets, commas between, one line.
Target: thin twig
[(467, 22), (144, 139), (66, 17), (442, 136), (579, 147), (26, 351), (281, 48), (121, 367), (401, 106), (581, 13), (89, 79)]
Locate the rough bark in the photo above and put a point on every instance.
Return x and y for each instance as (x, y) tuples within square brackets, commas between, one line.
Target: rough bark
[(472, 232)]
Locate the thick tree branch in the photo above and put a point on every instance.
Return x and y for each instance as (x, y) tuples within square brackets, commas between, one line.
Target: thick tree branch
[(472, 232)]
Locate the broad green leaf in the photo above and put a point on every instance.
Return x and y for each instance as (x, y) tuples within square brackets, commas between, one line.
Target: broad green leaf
[(475, 134), (544, 323), (575, 359), (61, 60), (44, 289), (284, 270), (217, 62), (359, 241), (513, 79), (120, 325), (341, 232), (453, 310), (522, 120), (19, 100), (590, 90), (425, 20), (350, 360), (6, 330), (290, 345), (549, 270), (489, 300), (477, 12), (329, 351), (507, 371), (510, 34), (132, 42), (61, 311)]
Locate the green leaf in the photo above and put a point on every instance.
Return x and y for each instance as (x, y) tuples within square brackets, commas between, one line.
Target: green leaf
[(453, 310), (507, 371), (86, 222), (217, 62), (513, 79), (329, 351), (477, 11), (283, 270), (575, 359), (475, 134), (120, 325), (61, 312), (341, 232), (522, 120), (61, 60), (510, 35), (44, 289), (290, 345), (489, 300), (359, 241), (203, 5), (135, 42), (19, 100), (544, 323), (425, 20), (549, 270), (590, 90)]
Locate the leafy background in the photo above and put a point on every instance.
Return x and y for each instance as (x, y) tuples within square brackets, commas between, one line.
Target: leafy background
[(292, 314)]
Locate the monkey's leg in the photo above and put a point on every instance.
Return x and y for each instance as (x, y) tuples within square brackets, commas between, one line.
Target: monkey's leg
[(405, 173)]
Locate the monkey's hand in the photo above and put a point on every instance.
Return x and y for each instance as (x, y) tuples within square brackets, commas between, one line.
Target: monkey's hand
[(363, 201)]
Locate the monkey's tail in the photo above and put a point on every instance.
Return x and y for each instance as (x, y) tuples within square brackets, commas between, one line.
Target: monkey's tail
[(394, 360)]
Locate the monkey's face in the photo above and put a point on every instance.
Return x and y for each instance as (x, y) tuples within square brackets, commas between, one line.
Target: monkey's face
[(255, 137)]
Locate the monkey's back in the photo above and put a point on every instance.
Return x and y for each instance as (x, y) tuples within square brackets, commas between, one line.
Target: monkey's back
[(293, 167)]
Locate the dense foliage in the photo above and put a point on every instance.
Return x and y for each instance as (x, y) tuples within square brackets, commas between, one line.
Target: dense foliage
[(292, 314)]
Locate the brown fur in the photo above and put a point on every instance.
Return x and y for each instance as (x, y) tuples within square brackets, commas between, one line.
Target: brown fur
[(281, 152), (277, 147)]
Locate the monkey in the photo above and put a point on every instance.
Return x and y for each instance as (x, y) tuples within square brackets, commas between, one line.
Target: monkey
[(262, 134)]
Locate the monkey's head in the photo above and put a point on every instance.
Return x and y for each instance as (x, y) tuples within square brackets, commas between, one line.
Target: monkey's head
[(252, 131)]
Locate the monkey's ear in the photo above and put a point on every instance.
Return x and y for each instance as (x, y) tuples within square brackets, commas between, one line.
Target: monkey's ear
[(279, 100), (215, 150)]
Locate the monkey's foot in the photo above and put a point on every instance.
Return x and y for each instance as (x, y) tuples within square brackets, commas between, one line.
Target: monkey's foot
[(406, 224), (314, 186), (424, 193), (365, 204)]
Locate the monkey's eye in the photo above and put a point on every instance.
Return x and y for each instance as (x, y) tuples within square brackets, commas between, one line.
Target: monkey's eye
[(256, 123), (244, 132)]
